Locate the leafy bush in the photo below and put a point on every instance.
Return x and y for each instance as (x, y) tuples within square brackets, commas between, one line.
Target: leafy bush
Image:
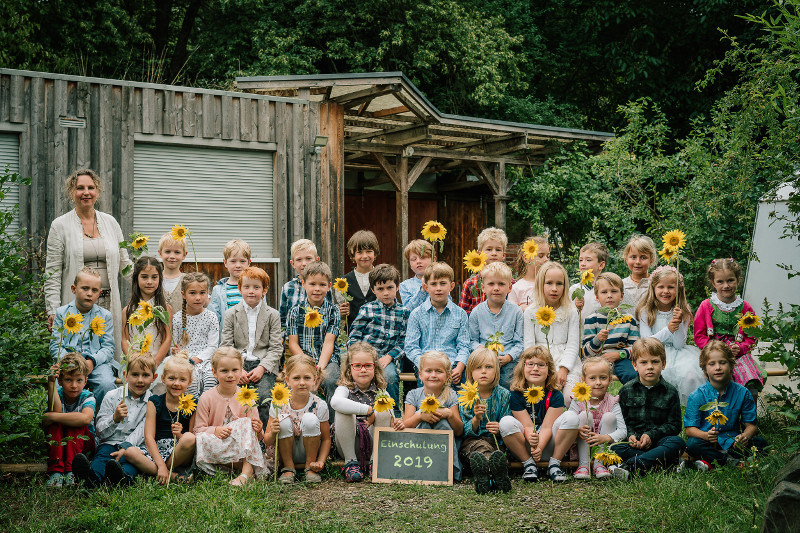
[(23, 343)]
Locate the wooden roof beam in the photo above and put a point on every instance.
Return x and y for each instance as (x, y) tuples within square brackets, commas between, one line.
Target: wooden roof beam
[(381, 133), (411, 105), (499, 146), (488, 177), (355, 98), (459, 185), (390, 111), (380, 148), (388, 169), (417, 170)]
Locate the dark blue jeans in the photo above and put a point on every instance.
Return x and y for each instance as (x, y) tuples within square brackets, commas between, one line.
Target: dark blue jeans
[(702, 449), (664, 452), (624, 370), (103, 455)]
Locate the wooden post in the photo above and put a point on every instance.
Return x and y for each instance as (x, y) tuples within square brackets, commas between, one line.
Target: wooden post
[(501, 197), (401, 208)]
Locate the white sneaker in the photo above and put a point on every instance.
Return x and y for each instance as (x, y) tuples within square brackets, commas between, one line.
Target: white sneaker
[(681, 466), (620, 473)]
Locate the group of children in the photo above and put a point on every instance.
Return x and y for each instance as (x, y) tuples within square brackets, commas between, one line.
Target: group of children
[(225, 342)]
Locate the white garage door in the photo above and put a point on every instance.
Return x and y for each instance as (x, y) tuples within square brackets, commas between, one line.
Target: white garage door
[(218, 195), (9, 159)]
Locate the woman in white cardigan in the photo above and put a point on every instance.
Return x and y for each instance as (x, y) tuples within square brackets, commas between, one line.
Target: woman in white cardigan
[(564, 337), (85, 237)]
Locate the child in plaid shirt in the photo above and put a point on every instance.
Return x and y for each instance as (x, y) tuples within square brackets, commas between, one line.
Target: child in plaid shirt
[(303, 253), (492, 242), (382, 324)]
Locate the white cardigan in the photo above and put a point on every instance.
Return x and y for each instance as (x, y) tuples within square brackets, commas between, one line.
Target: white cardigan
[(65, 259), (564, 339)]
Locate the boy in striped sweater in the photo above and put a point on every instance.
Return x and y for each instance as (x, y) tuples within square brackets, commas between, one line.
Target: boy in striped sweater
[(612, 343)]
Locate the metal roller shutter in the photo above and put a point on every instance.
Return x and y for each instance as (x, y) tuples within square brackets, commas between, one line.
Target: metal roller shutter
[(218, 195), (9, 158)]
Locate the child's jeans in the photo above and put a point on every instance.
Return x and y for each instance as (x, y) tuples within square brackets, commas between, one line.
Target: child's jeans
[(264, 389), (702, 449), (59, 458), (103, 455), (664, 452)]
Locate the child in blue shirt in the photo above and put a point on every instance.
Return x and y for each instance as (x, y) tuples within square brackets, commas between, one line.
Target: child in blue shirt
[(236, 257), (418, 254)]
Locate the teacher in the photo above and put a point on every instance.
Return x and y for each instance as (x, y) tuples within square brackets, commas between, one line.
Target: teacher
[(85, 237)]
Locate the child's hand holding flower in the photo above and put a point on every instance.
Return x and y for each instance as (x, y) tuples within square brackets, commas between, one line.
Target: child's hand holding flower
[(398, 424), (713, 435), (602, 335), (274, 427), (257, 425), (478, 410), (532, 437), (430, 418), (121, 412), (493, 427), (177, 430), (579, 304)]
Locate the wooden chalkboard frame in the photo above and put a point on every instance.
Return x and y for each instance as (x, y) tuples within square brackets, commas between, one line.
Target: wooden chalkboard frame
[(376, 451)]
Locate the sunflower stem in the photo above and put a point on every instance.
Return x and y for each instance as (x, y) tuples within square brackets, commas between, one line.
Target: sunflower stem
[(196, 267)]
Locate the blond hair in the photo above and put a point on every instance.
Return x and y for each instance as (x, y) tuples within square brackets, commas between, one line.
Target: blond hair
[(610, 278), (298, 361), (419, 247), (480, 356), (492, 234), (518, 381), (648, 346), (346, 373), (719, 346), (721, 265), (442, 359), (643, 244), (167, 240), (438, 270), (302, 245), (71, 183), (648, 307), (178, 363), (223, 352), (499, 269), (318, 268), (564, 302), (597, 360), (598, 249), (236, 246), (89, 271), (520, 264), (140, 360)]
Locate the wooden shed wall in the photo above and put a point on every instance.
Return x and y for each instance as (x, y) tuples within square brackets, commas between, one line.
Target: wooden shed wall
[(119, 114)]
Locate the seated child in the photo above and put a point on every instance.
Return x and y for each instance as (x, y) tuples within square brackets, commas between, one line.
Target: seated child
[(236, 257), (228, 433), (610, 342), (195, 330), (592, 256), (435, 376), (98, 350), (301, 425), (652, 413), (363, 249), (382, 323), (418, 254), (253, 328), (482, 435), (640, 256), (317, 341), (526, 270), (729, 441), (603, 423), (355, 417), (168, 437), (119, 425), (438, 324), (540, 430), (492, 242), (70, 416), (292, 294), (496, 314)]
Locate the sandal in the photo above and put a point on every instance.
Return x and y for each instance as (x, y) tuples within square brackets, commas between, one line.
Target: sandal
[(234, 480), (287, 476), (312, 477)]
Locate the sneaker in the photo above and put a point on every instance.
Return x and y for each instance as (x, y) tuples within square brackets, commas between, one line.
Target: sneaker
[(480, 470), (600, 471), (56, 480), (69, 479), (352, 472), (82, 469), (369, 470), (620, 473), (582, 473), (555, 474), (681, 466), (499, 468), (530, 473), (114, 473), (702, 466)]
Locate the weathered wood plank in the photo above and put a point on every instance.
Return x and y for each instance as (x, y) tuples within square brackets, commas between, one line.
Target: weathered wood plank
[(52, 190), (295, 117), (23, 468), (280, 204), (312, 169), (5, 97), (25, 171), (60, 146), (158, 112), (401, 212), (226, 106), (105, 162), (169, 124), (189, 115), (17, 99), (138, 110), (82, 135), (246, 122), (336, 152), (209, 122), (148, 110), (125, 162), (324, 188), (37, 172), (264, 122)]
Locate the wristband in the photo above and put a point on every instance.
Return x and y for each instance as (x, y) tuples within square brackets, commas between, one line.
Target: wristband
[(622, 355)]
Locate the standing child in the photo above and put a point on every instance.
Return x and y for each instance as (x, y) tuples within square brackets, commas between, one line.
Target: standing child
[(228, 433), (355, 418), (147, 287), (253, 328), (717, 318), (316, 336), (603, 423), (563, 338), (498, 315), (639, 255), (727, 442), (363, 249), (382, 324), (661, 317), (172, 254), (540, 430), (522, 291), (300, 426), (292, 294), (612, 342), (70, 422), (165, 424), (194, 329), (652, 413), (418, 254), (482, 435), (226, 293), (492, 242), (593, 256)]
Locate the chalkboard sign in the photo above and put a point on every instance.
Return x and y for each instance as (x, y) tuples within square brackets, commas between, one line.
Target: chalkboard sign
[(412, 456)]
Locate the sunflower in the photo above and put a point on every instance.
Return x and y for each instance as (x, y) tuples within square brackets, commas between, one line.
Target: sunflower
[(147, 343), (534, 394), (98, 325), (140, 242), (675, 239), (668, 254), (186, 404), (581, 392), (496, 347), (608, 458), (717, 418), (313, 318), (749, 320), (280, 395), (341, 285), (530, 248), (475, 261), (73, 323), (145, 310), (545, 316), (430, 404), (383, 402), (620, 320), (468, 395), (178, 232), (135, 319), (246, 396), (433, 231), (587, 277)]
